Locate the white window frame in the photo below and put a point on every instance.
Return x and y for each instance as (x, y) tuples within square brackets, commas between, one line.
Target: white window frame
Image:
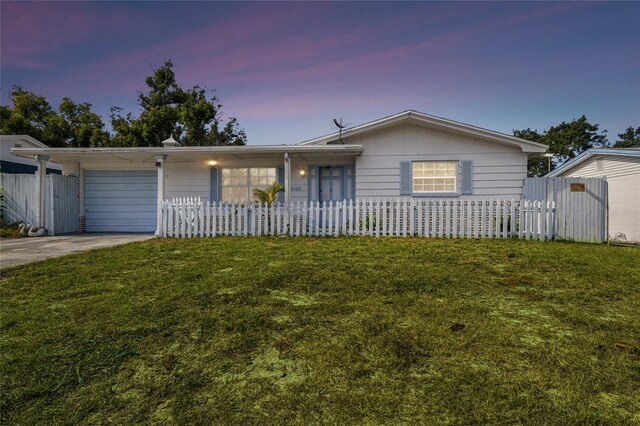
[(247, 184), (457, 183)]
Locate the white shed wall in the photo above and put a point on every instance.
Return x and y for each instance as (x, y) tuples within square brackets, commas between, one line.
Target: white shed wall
[(498, 170)]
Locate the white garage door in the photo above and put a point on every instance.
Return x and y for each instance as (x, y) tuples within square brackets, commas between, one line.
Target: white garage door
[(121, 201)]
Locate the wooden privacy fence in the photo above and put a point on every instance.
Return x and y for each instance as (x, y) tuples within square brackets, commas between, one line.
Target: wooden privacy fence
[(61, 201), (190, 217), (581, 205)]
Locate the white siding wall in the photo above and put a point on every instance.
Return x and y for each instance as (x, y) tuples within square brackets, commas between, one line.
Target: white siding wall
[(299, 182), (623, 175), (187, 180), (498, 170)]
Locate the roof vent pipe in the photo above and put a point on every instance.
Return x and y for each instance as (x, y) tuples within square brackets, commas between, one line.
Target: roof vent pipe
[(171, 142)]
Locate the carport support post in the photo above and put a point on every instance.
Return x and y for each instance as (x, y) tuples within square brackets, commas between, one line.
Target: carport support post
[(81, 206), (287, 177), (41, 181), (287, 186), (160, 166)]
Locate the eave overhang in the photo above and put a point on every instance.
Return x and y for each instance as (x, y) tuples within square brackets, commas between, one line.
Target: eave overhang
[(184, 153), (431, 121)]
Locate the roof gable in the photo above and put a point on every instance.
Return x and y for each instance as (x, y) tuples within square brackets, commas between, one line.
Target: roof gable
[(23, 139), (579, 159), (426, 120)]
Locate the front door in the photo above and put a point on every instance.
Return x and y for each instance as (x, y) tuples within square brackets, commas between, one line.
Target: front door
[(331, 183)]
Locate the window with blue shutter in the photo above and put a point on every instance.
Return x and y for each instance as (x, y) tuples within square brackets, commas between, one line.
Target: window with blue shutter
[(467, 177), (405, 178)]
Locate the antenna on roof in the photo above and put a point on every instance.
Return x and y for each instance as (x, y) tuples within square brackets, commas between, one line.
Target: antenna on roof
[(340, 126)]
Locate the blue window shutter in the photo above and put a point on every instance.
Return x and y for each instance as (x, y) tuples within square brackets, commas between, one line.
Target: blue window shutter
[(281, 182), (215, 187), (349, 192), (467, 176), (405, 178)]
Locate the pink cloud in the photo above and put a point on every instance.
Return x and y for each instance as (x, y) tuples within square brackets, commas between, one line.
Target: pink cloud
[(316, 58), (253, 48)]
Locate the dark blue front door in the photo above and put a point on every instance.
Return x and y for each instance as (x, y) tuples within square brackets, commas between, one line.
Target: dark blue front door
[(331, 183)]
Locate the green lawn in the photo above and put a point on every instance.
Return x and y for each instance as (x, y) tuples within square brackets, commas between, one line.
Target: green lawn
[(335, 330)]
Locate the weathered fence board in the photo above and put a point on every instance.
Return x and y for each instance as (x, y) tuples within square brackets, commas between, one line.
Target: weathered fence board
[(64, 214), (20, 197), (581, 206), (61, 201)]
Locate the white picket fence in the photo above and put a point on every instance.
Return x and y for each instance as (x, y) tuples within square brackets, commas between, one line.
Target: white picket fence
[(190, 217)]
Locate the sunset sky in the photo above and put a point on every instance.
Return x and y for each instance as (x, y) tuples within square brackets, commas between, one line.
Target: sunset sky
[(285, 70)]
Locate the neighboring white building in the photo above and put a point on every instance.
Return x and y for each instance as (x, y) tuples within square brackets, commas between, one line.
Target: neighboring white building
[(621, 169), (10, 163), (409, 154)]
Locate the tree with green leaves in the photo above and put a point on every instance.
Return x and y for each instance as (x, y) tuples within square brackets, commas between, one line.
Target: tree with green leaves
[(168, 110), (73, 124), (630, 138), (82, 127), (566, 140), (191, 116), (29, 114)]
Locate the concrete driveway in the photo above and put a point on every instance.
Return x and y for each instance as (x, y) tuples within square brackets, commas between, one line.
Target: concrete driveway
[(18, 251)]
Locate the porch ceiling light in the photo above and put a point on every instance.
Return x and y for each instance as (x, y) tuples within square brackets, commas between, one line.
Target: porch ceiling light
[(212, 162)]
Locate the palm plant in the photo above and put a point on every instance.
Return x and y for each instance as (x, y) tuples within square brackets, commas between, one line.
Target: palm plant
[(270, 195)]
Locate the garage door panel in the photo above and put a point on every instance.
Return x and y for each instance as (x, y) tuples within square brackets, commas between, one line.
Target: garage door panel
[(90, 174), (132, 201), (132, 208), (97, 180), (116, 210), (111, 195), (121, 222), (117, 188), (121, 201), (129, 221)]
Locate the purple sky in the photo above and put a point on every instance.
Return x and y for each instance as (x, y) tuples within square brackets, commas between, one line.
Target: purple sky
[(286, 69)]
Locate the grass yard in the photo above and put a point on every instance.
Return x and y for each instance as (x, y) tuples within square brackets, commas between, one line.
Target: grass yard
[(335, 330)]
